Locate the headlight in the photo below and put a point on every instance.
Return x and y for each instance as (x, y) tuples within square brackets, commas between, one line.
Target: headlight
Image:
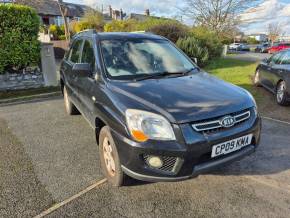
[(144, 125)]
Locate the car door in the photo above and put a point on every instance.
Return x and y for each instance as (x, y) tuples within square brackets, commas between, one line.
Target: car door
[(272, 66), (86, 84), (70, 76), (283, 71)]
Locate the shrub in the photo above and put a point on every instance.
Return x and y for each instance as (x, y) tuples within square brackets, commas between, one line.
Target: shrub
[(172, 31), (252, 41), (56, 31), (19, 45), (91, 20), (193, 48), (208, 39), (122, 26)]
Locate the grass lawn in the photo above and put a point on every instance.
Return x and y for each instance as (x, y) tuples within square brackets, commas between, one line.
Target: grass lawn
[(237, 72), (27, 92)]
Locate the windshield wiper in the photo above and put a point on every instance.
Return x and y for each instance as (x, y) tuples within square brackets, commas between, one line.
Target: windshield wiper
[(165, 73)]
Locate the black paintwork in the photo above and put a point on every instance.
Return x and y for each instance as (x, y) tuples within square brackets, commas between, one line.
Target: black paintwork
[(272, 72), (182, 100)]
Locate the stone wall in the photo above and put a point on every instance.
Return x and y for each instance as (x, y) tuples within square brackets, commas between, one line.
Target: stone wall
[(29, 78)]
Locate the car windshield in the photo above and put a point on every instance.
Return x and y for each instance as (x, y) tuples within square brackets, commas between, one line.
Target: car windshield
[(136, 58)]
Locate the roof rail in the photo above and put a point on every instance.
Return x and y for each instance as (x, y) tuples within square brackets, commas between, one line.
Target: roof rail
[(86, 32)]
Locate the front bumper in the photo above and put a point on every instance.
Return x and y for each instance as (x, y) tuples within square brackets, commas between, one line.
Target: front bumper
[(191, 147), (197, 170)]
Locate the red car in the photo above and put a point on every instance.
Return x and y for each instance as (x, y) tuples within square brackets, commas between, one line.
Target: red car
[(278, 47)]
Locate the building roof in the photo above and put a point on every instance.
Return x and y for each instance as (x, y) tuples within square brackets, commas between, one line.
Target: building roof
[(51, 7)]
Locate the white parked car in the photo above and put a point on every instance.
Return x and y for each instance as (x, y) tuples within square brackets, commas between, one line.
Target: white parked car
[(234, 46)]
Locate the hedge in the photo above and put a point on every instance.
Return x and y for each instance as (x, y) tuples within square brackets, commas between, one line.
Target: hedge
[(19, 45)]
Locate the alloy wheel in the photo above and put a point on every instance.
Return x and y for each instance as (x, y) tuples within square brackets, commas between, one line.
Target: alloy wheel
[(281, 91), (66, 101), (108, 157), (257, 77)]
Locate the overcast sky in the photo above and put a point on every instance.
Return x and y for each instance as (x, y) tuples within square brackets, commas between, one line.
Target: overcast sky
[(256, 19)]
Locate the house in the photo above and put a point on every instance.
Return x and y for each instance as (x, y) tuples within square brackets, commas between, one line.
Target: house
[(141, 17), (113, 14), (49, 10)]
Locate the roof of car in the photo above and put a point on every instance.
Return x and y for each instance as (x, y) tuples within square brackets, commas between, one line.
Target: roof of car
[(126, 35)]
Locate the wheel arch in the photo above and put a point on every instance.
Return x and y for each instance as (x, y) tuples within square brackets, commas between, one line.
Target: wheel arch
[(99, 124)]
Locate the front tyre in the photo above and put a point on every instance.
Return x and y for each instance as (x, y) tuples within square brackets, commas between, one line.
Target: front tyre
[(257, 81), (69, 106), (110, 162), (281, 94)]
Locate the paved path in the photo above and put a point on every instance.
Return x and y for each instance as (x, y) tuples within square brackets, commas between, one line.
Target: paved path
[(47, 157), (250, 56)]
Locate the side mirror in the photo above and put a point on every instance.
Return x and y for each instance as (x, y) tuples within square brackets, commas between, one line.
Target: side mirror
[(194, 60), (83, 70)]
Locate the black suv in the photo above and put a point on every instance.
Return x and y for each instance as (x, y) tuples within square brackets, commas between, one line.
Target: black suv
[(156, 115)]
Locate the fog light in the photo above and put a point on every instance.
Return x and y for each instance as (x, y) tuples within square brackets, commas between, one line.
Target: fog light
[(154, 161)]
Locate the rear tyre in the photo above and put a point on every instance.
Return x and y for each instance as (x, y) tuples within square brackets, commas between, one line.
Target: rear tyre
[(69, 106), (110, 162), (281, 94), (257, 78)]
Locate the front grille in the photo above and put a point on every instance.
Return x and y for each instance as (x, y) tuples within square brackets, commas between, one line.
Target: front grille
[(170, 164), (215, 124)]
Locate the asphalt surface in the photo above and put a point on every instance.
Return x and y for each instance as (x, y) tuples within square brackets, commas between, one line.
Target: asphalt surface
[(47, 156), (249, 56)]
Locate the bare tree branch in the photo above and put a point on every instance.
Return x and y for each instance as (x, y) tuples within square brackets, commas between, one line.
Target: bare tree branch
[(274, 31), (218, 15)]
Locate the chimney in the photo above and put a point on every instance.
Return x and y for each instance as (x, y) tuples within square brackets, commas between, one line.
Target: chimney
[(110, 11), (147, 12)]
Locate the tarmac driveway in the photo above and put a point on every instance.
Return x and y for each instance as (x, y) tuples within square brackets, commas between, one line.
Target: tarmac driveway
[(47, 156)]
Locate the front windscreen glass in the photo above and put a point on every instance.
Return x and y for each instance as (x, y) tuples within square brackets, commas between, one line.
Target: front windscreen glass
[(134, 58)]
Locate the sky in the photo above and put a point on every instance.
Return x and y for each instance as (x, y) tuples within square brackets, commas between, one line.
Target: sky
[(255, 20)]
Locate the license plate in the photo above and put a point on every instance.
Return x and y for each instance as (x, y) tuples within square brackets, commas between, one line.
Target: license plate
[(231, 146)]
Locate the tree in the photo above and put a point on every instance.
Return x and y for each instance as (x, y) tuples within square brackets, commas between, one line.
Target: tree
[(63, 10), (217, 15), (274, 31)]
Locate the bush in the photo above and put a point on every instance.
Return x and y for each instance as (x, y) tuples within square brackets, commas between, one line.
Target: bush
[(252, 41), (172, 31), (56, 31), (193, 48), (19, 45), (91, 20), (208, 39), (129, 25)]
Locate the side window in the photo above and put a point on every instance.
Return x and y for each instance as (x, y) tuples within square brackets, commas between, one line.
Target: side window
[(88, 54), (286, 58), (75, 51)]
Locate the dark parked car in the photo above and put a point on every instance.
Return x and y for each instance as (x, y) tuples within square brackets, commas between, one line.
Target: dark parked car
[(274, 75), (156, 115), (262, 48), (243, 47)]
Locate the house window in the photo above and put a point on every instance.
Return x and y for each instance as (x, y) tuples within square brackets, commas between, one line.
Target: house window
[(59, 21)]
